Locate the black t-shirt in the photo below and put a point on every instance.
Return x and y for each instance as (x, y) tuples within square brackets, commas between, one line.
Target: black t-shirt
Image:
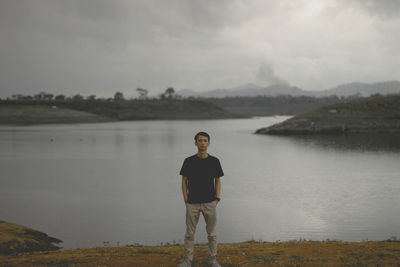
[(200, 175)]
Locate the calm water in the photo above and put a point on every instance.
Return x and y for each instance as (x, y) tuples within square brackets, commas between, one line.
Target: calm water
[(119, 182)]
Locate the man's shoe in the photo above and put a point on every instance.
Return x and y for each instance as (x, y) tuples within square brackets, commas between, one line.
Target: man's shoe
[(185, 263), (213, 262)]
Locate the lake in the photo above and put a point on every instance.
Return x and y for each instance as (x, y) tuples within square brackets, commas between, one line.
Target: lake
[(118, 183)]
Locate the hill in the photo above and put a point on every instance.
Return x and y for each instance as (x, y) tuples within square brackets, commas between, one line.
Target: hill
[(72, 111), (17, 239), (362, 89), (376, 114), (151, 109), (45, 114)]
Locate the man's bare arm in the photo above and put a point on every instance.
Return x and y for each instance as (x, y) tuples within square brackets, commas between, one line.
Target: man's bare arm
[(218, 187), (184, 188)]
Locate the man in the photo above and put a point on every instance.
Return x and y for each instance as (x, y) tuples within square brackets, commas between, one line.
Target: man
[(201, 188)]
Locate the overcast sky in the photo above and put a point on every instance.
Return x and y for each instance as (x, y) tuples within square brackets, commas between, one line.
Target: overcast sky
[(103, 46)]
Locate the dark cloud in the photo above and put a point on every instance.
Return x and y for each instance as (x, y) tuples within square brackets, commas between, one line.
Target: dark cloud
[(102, 19), (68, 42)]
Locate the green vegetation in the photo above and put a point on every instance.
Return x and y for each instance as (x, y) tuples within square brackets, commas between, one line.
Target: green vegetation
[(375, 114), (17, 239), (36, 114), (99, 110)]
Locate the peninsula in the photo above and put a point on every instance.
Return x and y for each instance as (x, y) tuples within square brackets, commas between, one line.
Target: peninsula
[(375, 114)]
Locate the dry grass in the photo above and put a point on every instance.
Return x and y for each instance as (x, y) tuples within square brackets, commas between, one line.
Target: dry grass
[(17, 239), (307, 253)]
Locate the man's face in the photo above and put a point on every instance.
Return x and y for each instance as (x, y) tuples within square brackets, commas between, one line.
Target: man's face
[(202, 142)]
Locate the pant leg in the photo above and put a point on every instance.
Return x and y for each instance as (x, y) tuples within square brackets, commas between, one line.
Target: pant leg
[(210, 216), (192, 218)]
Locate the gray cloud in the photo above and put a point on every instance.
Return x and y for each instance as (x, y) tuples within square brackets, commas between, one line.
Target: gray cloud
[(100, 46), (383, 8)]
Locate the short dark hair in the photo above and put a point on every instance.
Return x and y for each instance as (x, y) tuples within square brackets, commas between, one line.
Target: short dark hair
[(202, 134)]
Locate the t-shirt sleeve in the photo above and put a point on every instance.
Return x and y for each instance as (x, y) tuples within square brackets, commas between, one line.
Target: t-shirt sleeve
[(219, 171), (184, 170)]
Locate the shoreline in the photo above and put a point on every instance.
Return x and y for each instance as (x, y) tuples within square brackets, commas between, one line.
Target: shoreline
[(114, 244), (24, 246)]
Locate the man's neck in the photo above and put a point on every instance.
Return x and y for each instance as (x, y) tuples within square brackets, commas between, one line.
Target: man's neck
[(202, 154)]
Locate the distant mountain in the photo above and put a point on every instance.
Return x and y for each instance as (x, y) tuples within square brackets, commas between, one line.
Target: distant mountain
[(364, 89), (247, 90), (187, 93)]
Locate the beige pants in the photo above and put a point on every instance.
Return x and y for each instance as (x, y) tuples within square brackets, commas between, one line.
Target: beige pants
[(192, 217)]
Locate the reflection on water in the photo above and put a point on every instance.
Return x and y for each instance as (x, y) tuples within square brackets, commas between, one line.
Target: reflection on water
[(353, 142)]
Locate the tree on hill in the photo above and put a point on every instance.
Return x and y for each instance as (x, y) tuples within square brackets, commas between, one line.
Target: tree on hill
[(59, 97), (43, 96), (91, 97), (169, 93), (21, 97), (118, 96), (48, 96), (142, 93), (77, 97)]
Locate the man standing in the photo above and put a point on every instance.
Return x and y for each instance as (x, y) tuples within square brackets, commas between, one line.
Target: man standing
[(201, 188)]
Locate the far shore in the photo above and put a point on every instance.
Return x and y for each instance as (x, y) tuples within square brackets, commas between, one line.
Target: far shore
[(372, 115), (35, 114)]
